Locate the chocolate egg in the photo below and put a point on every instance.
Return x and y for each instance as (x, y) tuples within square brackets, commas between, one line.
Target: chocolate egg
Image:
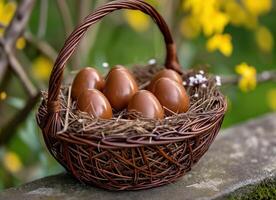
[(87, 78), (165, 73), (171, 95), (119, 88), (118, 67), (146, 104), (94, 103)]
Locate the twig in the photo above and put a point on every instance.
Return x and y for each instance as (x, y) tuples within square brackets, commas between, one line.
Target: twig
[(66, 17), (43, 18), (2, 25), (67, 112), (9, 129), (13, 32), (44, 47), (88, 42), (21, 74), (261, 77), (83, 7), (68, 27)]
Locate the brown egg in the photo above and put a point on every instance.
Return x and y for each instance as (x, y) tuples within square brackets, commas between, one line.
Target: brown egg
[(171, 95), (119, 88), (118, 67), (147, 104), (94, 103), (87, 78), (165, 73)]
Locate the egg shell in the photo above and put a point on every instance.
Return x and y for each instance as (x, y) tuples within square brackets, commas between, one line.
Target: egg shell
[(171, 95), (165, 73), (87, 78), (94, 103), (118, 67), (119, 88), (146, 104)]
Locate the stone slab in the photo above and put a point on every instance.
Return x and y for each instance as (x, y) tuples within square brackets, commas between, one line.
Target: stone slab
[(240, 156)]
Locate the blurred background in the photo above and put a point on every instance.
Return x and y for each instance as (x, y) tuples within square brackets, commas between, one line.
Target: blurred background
[(233, 39)]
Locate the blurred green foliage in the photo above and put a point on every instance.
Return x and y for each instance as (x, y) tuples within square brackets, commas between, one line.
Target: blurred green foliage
[(117, 43)]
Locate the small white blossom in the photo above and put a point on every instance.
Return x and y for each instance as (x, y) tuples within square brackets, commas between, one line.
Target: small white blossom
[(197, 79), (196, 95), (201, 72), (192, 81), (184, 83), (204, 85), (152, 61), (204, 79), (105, 65), (200, 78), (218, 80)]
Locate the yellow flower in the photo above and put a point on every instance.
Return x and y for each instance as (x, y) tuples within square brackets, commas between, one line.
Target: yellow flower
[(20, 43), (248, 79), (12, 162), (235, 11), (271, 99), (195, 6), (221, 42), (42, 68), (208, 14), (3, 96), (264, 39), (251, 21), (7, 11), (257, 7), (213, 21), (139, 21), (189, 27)]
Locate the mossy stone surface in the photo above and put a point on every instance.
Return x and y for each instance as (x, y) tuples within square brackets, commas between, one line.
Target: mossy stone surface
[(265, 190)]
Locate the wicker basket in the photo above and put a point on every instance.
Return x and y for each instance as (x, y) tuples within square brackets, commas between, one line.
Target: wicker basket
[(124, 154)]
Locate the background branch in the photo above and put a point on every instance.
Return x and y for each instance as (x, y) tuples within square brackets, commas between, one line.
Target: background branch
[(89, 40), (7, 59), (42, 46), (68, 27), (66, 17), (13, 32), (43, 18), (21, 74), (264, 76), (9, 129)]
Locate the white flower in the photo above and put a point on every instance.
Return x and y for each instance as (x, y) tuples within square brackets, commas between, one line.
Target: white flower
[(204, 85), (204, 79), (200, 78), (192, 81), (184, 83), (152, 61), (105, 65), (218, 80), (196, 95), (201, 72)]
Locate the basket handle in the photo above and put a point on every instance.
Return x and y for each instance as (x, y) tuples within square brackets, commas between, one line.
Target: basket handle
[(73, 40)]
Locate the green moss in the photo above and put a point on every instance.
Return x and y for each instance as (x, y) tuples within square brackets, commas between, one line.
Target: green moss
[(262, 191)]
